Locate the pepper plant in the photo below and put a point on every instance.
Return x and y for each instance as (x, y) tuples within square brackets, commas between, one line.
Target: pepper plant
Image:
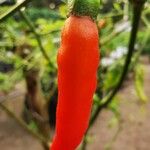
[(30, 43)]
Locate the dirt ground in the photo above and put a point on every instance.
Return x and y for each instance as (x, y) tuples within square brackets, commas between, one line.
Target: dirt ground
[(134, 133)]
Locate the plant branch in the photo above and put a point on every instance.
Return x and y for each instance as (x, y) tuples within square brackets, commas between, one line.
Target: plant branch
[(10, 96), (24, 125), (111, 36), (13, 9), (137, 11), (112, 15), (145, 20), (115, 136), (32, 27)]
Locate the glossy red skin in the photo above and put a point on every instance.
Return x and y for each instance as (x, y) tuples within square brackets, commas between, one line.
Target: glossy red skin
[(78, 60)]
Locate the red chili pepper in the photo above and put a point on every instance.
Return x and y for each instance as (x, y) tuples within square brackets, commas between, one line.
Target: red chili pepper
[(78, 60)]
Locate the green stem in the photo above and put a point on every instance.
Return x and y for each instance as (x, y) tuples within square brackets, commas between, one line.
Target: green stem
[(110, 15), (126, 10), (136, 19), (137, 11), (32, 27), (145, 20), (84, 8), (13, 9), (115, 136), (110, 37)]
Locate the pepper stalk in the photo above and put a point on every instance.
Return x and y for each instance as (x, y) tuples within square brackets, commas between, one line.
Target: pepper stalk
[(84, 8)]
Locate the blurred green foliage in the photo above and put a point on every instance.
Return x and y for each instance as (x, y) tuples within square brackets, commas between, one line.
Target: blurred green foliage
[(19, 46), (16, 36)]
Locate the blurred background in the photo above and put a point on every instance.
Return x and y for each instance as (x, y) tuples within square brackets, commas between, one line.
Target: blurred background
[(29, 39)]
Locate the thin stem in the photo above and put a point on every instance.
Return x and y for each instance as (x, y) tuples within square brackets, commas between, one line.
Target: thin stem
[(112, 15), (32, 27), (136, 19), (110, 37), (145, 20), (10, 96), (13, 9), (24, 125), (126, 10), (137, 11), (115, 136)]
